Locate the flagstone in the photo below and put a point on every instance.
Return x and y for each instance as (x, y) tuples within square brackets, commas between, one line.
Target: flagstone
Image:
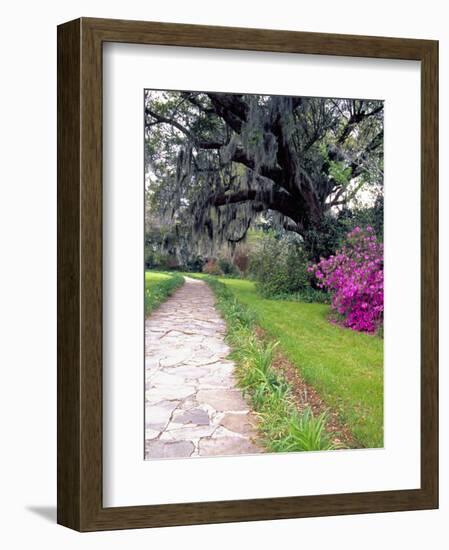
[(174, 357), (158, 415), (193, 405), (235, 422), (223, 400), (162, 378), (187, 371), (193, 416), (223, 446), (169, 393), (168, 449), (151, 434), (188, 433)]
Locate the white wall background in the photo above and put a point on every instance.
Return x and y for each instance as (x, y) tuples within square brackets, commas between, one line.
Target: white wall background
[(28, 273)]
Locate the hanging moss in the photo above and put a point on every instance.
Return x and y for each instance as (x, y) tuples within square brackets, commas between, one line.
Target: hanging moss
[(204, 146)]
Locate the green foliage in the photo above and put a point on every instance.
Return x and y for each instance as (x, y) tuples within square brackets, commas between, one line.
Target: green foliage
[(158, 287), (344, 366), (227, 267), (279, 265), (339, 172), (193, 264), (219, 160), (159, 260), (322, 241), (308, 295), (282, 426), (306, 433), (167, 247), (240, 316), (220, 266)]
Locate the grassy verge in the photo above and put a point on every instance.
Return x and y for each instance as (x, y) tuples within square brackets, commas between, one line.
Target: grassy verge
[(158, 287), (282, 427), (345, 367), (308, 295)]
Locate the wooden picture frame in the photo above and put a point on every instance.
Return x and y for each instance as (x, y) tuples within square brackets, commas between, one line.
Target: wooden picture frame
[(80, 504)]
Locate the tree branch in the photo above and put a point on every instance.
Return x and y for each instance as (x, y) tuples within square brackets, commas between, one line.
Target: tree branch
[(355, 119), (357, 167), (272, 173), (231, 108), (193, 100), (267, 199), (199, 143)]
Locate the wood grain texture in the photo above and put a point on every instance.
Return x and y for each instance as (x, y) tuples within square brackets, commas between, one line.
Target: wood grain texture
[(429, 271), (68, 171), (80, 274)]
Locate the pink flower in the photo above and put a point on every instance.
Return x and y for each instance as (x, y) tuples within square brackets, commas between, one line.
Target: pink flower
[(354, 277)]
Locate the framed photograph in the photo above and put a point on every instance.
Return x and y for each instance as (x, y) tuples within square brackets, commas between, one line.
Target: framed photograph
[(247, 274)]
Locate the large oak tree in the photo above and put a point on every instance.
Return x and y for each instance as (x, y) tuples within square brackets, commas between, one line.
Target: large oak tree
[(216, 161)]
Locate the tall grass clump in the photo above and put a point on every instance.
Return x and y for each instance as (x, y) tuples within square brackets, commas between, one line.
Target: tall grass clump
[(282, 426)]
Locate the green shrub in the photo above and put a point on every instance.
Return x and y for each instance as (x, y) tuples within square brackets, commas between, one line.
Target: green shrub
[(279, 266), (227, 267), (322, 241), (194, 264), (159, 260)]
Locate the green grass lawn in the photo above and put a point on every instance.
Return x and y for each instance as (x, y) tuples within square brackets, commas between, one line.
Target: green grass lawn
[(345, 367), (158, 287)]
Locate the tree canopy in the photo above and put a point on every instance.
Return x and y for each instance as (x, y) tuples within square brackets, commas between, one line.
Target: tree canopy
[(216, 161)]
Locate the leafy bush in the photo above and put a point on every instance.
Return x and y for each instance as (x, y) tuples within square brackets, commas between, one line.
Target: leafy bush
[(355, 278), (227, 267), (323, 240), (159, 260), (194, 264), (279, 266)]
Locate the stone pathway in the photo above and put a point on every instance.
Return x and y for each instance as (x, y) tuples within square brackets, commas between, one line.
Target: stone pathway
[(192, 404)]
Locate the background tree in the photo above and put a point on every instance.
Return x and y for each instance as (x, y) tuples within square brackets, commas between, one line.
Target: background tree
[(215, 162)]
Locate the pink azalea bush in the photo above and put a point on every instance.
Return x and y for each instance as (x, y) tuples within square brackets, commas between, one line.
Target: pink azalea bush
[(355, 278)]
